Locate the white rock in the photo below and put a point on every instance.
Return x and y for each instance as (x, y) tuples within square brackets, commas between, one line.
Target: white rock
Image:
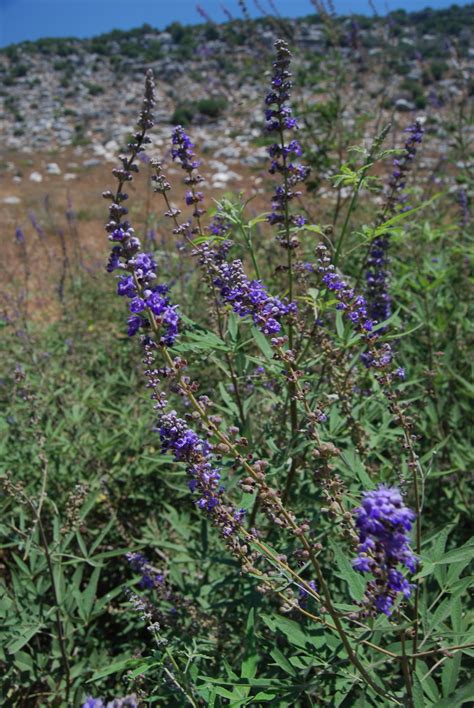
[(221, 177), (69, 175), (36, 177), (53, 168), (17, 179), (112, 146), (11, 200)]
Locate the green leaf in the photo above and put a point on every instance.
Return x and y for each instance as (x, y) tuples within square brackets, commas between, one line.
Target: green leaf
[(262, 343), (19, 643), (249, 664), (89, 593), (428, 684), (202, 341), (464, 553), (291, 629), (116, 667), (233, 326), (450, 674), (402, 216), (282, 661), (463, 695), (418, 698), (221, 691), (354, 580), (339, 325)]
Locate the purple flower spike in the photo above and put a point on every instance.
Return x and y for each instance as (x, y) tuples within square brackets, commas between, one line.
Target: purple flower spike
[(182, 150), (384, 523), (379, 304), (279, 118)]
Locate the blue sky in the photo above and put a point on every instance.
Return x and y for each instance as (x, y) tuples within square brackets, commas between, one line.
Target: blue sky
[(31, 19)]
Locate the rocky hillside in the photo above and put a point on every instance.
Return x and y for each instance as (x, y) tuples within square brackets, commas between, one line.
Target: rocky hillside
[(60, 92)]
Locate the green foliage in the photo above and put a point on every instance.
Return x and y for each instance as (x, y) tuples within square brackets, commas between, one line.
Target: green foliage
[(211, 107)]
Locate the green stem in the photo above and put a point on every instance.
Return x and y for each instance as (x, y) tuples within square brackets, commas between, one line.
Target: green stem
[(347, 219)]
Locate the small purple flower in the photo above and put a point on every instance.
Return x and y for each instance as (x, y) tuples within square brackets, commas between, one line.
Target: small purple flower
[(126, 286), (117, 235), (137, 305), (19, 235), (93, 703), (149, 577), (134, 324), (303, 594), (464, 204)]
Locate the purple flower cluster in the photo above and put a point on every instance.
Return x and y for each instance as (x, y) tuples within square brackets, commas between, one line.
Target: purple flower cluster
[(377, 274), (383, 523), (126, 702), (152, 297), (379, 302), (249, 297), (186, 446), (138, 281), (149, 577), (182, 152), (402, 166), (219, 225), (354, 306), (303, 594), (464, 204), (279, 118)]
